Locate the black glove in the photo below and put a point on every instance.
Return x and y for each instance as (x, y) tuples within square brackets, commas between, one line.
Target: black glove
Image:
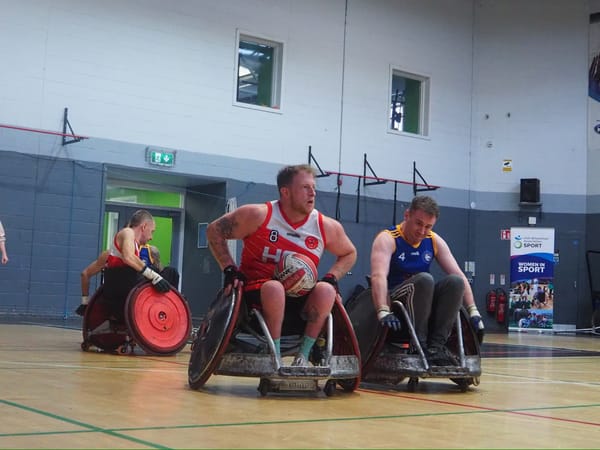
[(232, 273), (80, 311), (476, 322), (389, 319), (332, 280), (159, 283)]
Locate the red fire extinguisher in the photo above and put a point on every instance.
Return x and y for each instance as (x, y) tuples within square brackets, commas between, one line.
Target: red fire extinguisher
[(490, 301), (501, 309)]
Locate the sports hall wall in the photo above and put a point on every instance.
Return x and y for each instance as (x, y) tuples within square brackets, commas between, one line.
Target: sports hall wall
[(508, 86)]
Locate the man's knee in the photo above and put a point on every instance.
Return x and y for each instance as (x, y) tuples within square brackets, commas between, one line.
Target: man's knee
[(423, 281), (451, 287)]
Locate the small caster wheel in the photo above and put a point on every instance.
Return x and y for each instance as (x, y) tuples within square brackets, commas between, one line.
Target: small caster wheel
[(85, 346), (476, 381), (348, 384), (462, 383), (264, 386), (413, 382), (329, 388)]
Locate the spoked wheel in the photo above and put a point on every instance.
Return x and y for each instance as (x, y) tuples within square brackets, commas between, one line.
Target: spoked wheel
[(212, 338), (98, 329)]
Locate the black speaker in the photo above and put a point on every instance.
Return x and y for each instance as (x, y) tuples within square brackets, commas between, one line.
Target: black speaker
[(530, 190)]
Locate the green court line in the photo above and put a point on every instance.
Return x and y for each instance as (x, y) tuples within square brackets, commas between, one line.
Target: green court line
[(116, 431), (89, 428)]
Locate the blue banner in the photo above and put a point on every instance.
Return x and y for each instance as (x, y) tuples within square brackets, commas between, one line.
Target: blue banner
[(531, 299)]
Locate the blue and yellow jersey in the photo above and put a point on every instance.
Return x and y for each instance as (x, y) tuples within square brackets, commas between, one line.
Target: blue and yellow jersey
[(408, 260), (146, 255)]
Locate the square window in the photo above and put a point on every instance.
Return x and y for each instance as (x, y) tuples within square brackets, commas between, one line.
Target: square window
[(409, 103), (258, 72)]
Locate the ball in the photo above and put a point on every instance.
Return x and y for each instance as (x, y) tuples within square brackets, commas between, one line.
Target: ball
[(297, 273)]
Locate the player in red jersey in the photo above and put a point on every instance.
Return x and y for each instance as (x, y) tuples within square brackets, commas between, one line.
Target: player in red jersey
[(268, 230)]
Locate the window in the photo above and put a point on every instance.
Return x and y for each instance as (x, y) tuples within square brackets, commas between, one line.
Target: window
[(123, 194), (409, 103), (258, 70)]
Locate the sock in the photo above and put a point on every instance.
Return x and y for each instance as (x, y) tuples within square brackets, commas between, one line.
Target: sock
[(306, 345), (277, 343)]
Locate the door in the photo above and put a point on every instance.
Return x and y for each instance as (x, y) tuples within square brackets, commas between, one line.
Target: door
[(567, 276)]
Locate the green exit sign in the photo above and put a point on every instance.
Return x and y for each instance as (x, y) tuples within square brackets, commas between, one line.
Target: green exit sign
[(160, 157)]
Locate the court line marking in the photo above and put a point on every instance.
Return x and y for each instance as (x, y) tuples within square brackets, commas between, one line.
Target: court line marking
[(518, 411), (89, 428), (474, 410)]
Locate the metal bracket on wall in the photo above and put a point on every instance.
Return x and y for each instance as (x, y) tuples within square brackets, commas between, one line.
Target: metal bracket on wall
[(64, 132), (376, 180), (427, 187)]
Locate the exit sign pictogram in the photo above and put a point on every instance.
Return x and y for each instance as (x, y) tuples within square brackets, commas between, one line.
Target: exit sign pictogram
[(160, 157)]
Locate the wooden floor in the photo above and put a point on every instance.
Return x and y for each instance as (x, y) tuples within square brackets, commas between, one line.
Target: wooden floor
[(53, 395)]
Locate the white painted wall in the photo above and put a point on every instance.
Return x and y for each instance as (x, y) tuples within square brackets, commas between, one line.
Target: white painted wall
[(593, 159), (531, 63), (428, 38), (162, 73)]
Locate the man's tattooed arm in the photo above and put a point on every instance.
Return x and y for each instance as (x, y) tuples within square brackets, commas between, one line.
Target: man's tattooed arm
[(217, 233)]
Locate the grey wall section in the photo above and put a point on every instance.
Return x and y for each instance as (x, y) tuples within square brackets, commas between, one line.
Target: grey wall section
[(572, 303), (51, 210), (200, 273)]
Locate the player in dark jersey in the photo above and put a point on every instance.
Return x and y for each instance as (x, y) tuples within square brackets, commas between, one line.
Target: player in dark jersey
[(403, 254), (289, 224)]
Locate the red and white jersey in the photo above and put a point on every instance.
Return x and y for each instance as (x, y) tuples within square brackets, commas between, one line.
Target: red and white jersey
[(263, 249), (115, 257)]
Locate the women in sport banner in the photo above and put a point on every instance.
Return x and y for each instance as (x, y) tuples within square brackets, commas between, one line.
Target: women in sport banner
[(531, 299)]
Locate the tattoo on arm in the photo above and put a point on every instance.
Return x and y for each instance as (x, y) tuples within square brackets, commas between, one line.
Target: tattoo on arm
[(226, 226)]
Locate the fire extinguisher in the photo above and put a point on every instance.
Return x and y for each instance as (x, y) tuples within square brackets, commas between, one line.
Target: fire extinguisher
[(490, 301), (501, 309)]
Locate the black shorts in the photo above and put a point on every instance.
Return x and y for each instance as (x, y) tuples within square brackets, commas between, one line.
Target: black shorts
[(118, 283), (293, 321)]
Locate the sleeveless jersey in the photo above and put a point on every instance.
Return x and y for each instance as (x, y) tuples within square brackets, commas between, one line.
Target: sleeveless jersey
[(145, 254), (115, 257), (264, 248), (408, 260)]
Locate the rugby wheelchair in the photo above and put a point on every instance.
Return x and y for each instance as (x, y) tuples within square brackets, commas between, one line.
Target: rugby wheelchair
[(388, 356), (159, 323), (235, 341)]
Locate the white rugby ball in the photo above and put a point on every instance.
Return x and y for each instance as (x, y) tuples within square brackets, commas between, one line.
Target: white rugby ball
[(297, 273)]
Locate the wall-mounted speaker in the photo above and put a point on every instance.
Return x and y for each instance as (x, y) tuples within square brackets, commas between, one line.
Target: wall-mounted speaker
[(530, 190)]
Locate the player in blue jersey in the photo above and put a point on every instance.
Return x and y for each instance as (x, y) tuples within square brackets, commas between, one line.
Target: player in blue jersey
[(403, 254)]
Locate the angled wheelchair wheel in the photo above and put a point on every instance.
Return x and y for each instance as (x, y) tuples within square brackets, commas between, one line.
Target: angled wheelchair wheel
[(344, 342), (160, 323), (212, 337), (370, 335), (99, 329)]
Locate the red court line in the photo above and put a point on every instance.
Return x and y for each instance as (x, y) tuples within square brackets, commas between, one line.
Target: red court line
[(483, 408)]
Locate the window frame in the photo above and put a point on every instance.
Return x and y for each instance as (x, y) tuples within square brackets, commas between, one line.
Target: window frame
[(424, 101), (278, 46)]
